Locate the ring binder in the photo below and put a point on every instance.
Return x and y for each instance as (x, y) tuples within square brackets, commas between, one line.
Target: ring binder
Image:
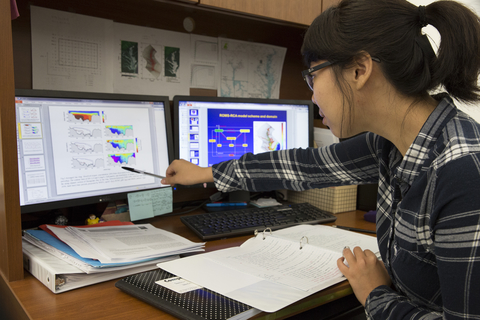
[(255, 233), (274, 272), (301, 242), (266, 230)]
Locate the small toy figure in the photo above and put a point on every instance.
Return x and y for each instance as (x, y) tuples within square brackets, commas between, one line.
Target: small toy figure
[(92, 219), (61, 220)]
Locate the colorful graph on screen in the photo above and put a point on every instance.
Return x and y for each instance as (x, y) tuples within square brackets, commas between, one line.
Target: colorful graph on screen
[(121, 145), (121, 159), (119, 131), (83, 116)]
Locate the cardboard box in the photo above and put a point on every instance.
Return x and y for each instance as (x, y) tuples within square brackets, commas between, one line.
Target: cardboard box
[(332, 199)]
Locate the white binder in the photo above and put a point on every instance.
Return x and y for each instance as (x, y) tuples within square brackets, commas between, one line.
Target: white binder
[(60, 276), (273, 269)]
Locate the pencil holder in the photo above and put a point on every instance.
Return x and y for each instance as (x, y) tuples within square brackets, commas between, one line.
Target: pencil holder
[(332, 199)]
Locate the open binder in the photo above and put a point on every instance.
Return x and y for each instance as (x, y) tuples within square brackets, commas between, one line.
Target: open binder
[(200, 304), (273, 269)]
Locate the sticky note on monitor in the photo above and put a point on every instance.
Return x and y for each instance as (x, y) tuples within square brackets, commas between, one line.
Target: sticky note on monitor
[(150, 203)]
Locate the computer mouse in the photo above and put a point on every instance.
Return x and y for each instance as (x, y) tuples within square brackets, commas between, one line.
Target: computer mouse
[(370, 216)]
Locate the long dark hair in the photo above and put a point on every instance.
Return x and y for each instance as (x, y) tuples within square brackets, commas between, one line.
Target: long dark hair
[(391, 31)]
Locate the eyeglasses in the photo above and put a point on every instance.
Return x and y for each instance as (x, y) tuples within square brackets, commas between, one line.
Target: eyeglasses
[(307, 74)]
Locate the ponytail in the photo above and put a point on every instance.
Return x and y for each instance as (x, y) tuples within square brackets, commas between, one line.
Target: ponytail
[(391, 31), (457, 65)]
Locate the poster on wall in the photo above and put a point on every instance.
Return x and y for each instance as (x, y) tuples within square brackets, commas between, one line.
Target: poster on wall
[(71, 52), (75, 52), (150, 61)]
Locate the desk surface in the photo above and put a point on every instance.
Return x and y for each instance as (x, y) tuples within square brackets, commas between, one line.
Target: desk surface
[(105, 301)]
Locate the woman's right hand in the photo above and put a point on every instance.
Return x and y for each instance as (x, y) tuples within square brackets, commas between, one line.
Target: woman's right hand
[(186, 173)]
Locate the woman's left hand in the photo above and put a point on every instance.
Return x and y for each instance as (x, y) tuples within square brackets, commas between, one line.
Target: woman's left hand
[(364, 272)]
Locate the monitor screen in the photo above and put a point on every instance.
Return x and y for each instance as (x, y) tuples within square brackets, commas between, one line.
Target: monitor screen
[(72, 146), (210, 130)]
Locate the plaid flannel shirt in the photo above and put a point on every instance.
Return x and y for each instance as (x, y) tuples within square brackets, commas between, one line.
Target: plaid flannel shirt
[(428, 208)]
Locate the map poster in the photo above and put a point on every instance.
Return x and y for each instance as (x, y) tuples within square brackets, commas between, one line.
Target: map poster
[(250, 70)]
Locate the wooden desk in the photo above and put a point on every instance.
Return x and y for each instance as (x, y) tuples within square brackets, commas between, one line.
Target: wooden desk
[(105, 301)]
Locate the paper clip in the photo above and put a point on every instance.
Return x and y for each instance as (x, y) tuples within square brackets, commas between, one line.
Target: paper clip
[(301, 242)]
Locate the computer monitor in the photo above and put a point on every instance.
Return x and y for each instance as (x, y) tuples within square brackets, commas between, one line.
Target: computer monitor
[(72, 146), (209, 130)]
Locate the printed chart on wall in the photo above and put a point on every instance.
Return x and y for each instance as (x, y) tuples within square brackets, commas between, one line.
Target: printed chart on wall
[(232, 134), (91, 144), (80, 53), (151, 61), (205, 65), (250, 70), (71, 51)]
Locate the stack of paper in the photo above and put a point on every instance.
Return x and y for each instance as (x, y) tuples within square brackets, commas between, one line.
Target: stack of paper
[(122, 244), (59, 249), (123, 249)]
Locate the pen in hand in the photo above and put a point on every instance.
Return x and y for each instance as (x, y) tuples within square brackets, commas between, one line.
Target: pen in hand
[(142, 172)]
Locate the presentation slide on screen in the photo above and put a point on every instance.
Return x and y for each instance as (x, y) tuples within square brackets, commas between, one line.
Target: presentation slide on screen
[(232, 133), (90, 145)]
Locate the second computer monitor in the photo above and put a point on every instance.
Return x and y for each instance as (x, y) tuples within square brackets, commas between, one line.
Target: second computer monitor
[(210, 130)]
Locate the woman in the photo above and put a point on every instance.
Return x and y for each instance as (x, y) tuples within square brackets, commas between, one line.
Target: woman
[(371, 70)]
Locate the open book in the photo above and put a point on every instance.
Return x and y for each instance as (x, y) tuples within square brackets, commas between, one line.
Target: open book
[(273, 269)]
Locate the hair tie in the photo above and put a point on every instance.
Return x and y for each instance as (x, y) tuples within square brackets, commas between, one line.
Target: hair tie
[(422, 16)]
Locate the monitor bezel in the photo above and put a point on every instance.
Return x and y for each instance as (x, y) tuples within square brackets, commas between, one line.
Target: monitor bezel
[(178, 98), (46, 206)]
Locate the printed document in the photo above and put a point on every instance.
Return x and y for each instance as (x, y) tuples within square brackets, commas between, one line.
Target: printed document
[(124, 243), (273, 270)]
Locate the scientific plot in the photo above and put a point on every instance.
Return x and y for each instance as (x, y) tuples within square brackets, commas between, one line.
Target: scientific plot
[(122, 159), (229, 141), (269, 136), (172, 61), (86, 163), (119, 131), (85, 148), (120, 145), (83, 133), (79, 54), (92, 117), (129, 56), (152, 65)]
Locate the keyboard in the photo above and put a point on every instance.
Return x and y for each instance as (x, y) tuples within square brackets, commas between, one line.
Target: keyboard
[(224, 224)]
